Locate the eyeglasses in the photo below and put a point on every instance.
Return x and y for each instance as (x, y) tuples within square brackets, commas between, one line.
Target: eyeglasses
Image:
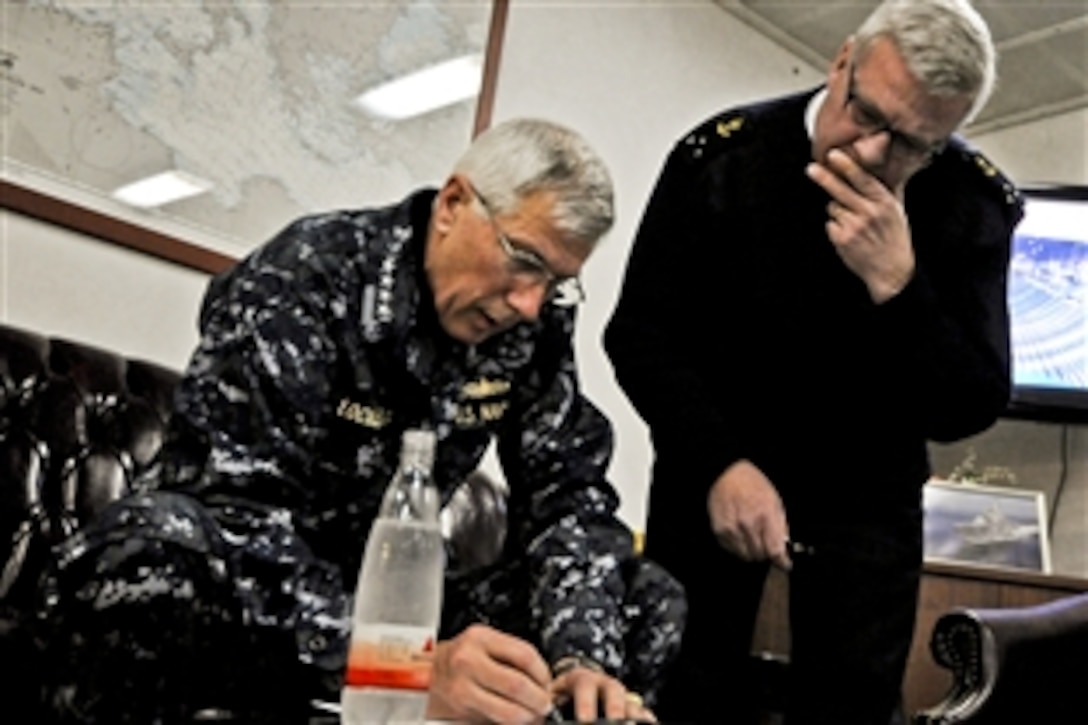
[(527, 265), (871, 121)]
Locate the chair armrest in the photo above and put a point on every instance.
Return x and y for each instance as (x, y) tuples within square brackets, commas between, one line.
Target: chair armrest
[(1011, 665)]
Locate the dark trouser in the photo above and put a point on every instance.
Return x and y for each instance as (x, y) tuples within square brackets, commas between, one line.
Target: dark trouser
[(852, 606), (156, 613)]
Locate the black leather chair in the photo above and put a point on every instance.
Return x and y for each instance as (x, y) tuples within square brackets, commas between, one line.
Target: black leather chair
[(78, 425), (1010, 666)]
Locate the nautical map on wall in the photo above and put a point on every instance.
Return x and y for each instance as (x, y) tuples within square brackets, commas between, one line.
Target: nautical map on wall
[(253, 96)]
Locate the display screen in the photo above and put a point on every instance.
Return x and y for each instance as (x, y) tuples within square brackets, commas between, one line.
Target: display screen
[(1048, 304)]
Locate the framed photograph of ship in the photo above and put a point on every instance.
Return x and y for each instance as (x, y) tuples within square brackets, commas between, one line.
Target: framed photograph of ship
[(986, 525)]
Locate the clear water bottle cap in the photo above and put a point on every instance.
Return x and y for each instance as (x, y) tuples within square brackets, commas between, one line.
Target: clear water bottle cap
[(417, 447)]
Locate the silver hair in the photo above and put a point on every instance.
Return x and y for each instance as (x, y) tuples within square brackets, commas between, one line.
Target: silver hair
[(945, 43), (514, 159)]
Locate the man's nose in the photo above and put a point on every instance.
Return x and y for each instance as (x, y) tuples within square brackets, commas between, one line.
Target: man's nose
[(872, 149), (527, 298)]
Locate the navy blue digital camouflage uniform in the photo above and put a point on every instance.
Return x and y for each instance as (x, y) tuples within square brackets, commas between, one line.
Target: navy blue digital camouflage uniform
[(226, 582)]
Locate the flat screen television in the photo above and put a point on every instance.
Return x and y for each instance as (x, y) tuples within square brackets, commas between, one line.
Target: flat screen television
[(1048, 306)]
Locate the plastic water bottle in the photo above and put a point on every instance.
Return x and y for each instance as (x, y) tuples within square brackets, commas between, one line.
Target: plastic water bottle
[(398, 600)]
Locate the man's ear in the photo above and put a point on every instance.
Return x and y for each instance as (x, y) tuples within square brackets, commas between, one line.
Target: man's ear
[(843, 56), (454, 195), (840, 65)]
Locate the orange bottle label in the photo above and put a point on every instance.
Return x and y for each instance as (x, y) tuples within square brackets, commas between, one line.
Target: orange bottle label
[(398, 662)]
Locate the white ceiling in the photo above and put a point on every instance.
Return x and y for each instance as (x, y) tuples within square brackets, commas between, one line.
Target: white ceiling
[(1042, 47)]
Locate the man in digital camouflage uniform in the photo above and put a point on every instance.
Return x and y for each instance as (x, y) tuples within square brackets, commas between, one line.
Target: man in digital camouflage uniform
[(225, 586), (816, 289)]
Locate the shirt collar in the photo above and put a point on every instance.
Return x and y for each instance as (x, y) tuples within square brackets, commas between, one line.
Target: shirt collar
[(814, 105)]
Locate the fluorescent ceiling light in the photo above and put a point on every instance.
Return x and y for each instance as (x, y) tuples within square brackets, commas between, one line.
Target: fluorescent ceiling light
[(425, 90), (161, 189)]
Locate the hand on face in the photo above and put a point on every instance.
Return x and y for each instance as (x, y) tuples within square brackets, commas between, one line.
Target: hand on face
[(867, 224), (747, 515), (596, 694), (484, 675)]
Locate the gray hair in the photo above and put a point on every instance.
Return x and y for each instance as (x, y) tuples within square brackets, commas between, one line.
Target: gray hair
[(945, 44), (514, 159)]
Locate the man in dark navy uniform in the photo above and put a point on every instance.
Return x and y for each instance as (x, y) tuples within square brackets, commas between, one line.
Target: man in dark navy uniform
[(226, 585), (817, 289)]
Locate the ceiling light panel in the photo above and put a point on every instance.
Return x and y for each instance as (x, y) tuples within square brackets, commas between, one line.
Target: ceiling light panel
[(161, 189), (425, 90)]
